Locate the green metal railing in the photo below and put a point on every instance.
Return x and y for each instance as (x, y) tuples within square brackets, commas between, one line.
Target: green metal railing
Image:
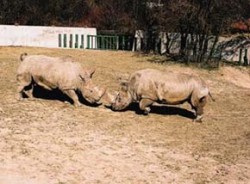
[(102, 42), (59, 40), (245, 59), (67, 41), (126, 42)]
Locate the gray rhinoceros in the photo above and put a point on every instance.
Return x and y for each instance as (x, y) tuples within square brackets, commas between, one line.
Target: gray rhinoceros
[(57, 72), (149, 85)]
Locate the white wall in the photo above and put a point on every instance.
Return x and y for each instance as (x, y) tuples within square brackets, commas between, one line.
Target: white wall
[(42, 36)]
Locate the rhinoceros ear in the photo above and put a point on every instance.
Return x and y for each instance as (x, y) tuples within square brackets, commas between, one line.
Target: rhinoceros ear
[(82, 78), (91, 72)]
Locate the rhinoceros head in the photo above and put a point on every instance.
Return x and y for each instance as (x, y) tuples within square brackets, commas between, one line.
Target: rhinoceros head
[(109, 98), (91, 92), (123, 98)]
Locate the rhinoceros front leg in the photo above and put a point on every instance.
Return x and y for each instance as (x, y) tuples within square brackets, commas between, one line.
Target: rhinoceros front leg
[(29, 92), (72, 94), (199, 114), (144, 105), (24, 80), (19, 95), (199, 109)]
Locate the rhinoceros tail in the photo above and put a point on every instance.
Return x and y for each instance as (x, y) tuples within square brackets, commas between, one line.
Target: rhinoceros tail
[(23, 56)]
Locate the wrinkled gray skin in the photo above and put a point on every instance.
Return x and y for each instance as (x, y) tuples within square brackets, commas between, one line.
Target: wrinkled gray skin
[(55, 72), (148, 86)]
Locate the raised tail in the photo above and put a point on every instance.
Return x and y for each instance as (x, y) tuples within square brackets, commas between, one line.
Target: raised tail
[(23, 56)]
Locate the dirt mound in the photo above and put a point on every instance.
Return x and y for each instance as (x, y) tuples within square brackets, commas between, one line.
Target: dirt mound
[(238, 76)]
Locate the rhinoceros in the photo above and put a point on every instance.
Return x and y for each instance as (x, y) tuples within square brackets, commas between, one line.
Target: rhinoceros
[(62, 73), (149, 85)]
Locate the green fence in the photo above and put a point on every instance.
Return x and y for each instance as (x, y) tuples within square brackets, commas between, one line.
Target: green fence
[(126, 42), (71, 40), (245, 59), (102, 42)]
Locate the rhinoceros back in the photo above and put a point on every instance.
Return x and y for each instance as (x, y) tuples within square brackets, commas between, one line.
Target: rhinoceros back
[(168, 87), (57, 72), (142, 84)]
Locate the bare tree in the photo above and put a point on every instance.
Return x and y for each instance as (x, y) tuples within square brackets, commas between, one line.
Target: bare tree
[(200, 23)]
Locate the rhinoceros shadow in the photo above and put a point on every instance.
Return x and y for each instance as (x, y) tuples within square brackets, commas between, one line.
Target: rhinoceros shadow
[(56, 94), (164, 110)]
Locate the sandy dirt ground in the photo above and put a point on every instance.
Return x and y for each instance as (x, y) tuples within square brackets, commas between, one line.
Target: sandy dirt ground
[(48, 141)]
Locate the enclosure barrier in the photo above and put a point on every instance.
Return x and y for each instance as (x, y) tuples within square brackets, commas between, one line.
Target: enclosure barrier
[(102, 42), (245, 59), (72, 42), (126, 42)]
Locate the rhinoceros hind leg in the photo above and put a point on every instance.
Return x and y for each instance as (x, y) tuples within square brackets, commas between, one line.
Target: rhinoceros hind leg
[(72, 94), (144, 105)]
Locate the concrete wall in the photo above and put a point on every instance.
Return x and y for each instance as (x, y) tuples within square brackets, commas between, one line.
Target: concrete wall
[(42, 36)]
